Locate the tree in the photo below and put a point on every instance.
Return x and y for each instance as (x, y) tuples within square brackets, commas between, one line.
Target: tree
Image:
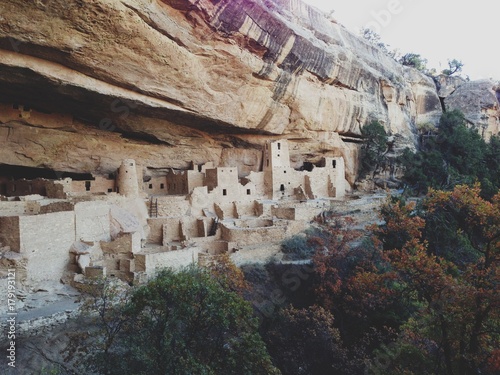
[(185, 322), (455, 155), (414, 60), (373, 148), (454, 66), (375, 39), (306, 341), (458, 318)]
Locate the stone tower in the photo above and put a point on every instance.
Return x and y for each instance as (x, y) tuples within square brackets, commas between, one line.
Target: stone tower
[(127, 179)]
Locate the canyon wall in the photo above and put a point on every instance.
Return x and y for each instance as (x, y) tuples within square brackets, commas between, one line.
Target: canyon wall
[(87, 83)]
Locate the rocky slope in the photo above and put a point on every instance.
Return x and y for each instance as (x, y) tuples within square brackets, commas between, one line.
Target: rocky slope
[(87, 83)]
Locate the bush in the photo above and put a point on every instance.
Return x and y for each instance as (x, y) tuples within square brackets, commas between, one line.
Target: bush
[(297, 248)]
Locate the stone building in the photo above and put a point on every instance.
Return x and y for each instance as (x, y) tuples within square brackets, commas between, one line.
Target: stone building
[(102, 225)]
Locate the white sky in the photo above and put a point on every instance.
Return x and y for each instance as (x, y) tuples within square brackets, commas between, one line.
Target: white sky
[(438, 30)]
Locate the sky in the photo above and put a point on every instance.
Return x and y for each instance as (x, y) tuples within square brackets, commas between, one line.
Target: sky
[(438, 30)]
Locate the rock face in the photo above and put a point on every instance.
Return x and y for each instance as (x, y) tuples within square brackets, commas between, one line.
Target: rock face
[(87, 83), (479, 101)]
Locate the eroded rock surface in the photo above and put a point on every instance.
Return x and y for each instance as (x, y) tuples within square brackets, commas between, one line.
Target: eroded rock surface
[(479, 101), (170, 82)]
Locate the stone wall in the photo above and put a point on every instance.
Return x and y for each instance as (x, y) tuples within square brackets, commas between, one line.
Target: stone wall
[(45, 240), (25, 187), (172, 206), (93, 221), (156, 185), (98, 185), (149, 262), (250, 236), (10, 233)]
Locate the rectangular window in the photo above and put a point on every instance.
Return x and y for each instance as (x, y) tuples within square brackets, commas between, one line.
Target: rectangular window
[(87, 185), (162, 186), (334, 163), (248, 192), (110, 190), (279, 146), (224, 192), (150, 186)]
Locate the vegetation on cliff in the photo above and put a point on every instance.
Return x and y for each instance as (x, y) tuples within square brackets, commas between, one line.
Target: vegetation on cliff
[(453, 154)]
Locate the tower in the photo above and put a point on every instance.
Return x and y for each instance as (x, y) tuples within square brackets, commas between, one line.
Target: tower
[(127, 179)]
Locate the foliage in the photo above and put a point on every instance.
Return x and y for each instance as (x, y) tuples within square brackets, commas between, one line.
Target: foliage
[(183, 322), (305, 341), (414, 60), (297, 248), (451, 156), (457, 324), (228, 274), (375, 39), (454, 66), (372, 151)]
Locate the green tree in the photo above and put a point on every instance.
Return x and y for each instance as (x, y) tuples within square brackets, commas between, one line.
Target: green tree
[(454, 66), (186, 322), (373, 148), (455, 155), (306, 341), (414, 60)]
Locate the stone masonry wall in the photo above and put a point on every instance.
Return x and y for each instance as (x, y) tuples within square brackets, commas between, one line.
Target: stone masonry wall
[(45, 242)]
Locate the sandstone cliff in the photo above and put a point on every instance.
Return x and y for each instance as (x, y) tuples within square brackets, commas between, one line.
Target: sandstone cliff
[(87, 83)]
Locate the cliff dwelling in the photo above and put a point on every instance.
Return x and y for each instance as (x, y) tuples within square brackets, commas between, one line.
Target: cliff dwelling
[(68, 226)]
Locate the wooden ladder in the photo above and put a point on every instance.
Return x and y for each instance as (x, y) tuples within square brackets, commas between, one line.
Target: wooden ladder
[(153, 208)]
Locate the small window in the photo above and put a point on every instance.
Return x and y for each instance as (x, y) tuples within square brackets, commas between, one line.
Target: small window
[(279, 146), (131, 164), (268, 162), (162, 186), (150, 186), (284, 171), (334, 163), (110, 190), (248, 192), (278, 155), (224, 192), (87, 185), (282, 188)]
